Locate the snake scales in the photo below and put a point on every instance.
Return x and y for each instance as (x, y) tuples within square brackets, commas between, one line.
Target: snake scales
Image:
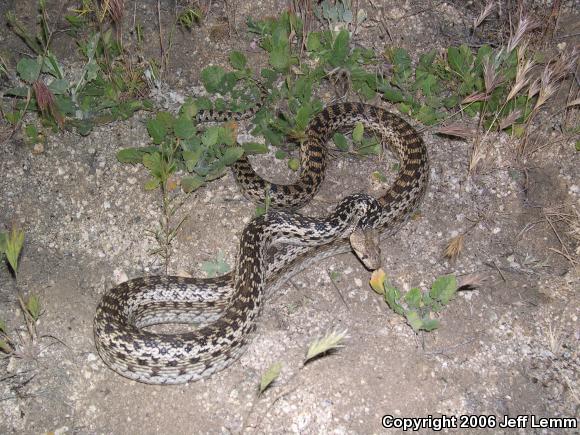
[(226, 308)]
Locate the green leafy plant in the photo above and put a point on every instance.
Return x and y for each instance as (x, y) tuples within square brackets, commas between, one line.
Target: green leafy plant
[(416, 306), (339, 14), (189, 17), (499, 85), (217, 267), (11, 246), (363, 145), (106, 90), (179, 145)]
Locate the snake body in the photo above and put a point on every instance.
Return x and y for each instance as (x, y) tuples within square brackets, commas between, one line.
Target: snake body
[(272, 247)]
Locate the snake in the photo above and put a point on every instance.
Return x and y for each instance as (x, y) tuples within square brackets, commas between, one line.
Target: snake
[(272, 247)]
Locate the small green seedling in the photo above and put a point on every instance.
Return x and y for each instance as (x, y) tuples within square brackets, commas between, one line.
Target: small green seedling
[(216, 267), (416, 306), (11, 246), (270, 376)]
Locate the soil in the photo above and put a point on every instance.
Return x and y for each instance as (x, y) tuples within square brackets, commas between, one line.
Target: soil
[(508, 347)]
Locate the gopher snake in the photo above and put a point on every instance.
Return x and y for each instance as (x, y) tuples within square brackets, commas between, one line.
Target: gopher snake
[(226, 308)]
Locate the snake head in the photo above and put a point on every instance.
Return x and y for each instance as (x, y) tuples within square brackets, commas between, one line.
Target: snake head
[(365, 244)]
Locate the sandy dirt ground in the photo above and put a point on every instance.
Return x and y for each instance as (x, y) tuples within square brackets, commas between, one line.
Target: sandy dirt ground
[(507, 348)]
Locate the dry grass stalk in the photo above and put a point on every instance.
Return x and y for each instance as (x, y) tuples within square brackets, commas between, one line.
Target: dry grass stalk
[(522, 72), (553, 73), (476, 96), (554, 336), (46, 103), (484, 14), (510, 119), (115, 9), (524, 25), (569, 217), (479, 152), (491, 75), (454, 247), (457, 130), (471, 281)]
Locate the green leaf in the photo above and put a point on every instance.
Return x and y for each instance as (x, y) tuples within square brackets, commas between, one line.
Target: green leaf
[(483, 52), (401, 59), (255, 148), (401, 65), (368, 146), (414, 320), (20, 91), (380, 177), (232, 155), (302, 118), (427, 115), (313, 41), (340, 141), (216, 170), (426, 60), (31, 133), (335, 276), (191, 157), (392, 296), (13, 246), (339, 48), (83, 126), (184, 127), (76, 21), (460, 59), (294, 164), (210, 137), (58, 86), (414, 298), (358, 132), (189, 108), (280, 154), (2, 326), (151, 184), (92, 70), (154, 162), (427, 83), (237, 60), (393, 94), (215, 267), (280, 58), (156, 130), (29, 69), (444, 288), (52, 67), (134, 155), (430, 324), (270, 376), (166, 119), (191, 183), (33, 306), (228, 134), (212, 77), (364, 89)]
